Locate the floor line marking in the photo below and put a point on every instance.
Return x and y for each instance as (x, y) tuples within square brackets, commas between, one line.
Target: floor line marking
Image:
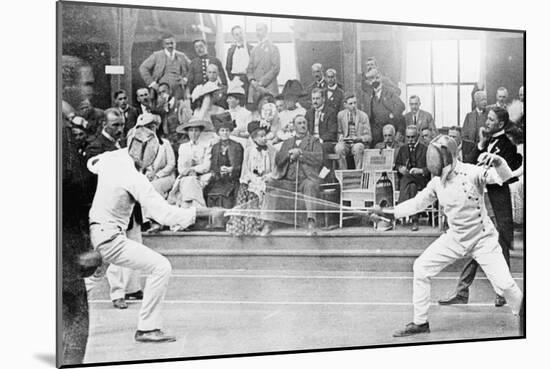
[(351, 303), (275, 276)]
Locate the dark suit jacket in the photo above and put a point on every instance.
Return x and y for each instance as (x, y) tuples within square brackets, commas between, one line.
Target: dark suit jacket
[(328, 124), (311, 160), (472, 122), (130, 118), (336, 101), (229, 60), (468, 152), (235, 153), (100, 145), (195, 72), (402, 159), (499, 196), (394, 105)]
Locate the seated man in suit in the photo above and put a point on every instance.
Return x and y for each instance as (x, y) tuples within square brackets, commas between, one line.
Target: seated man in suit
[(412, 169), (426, 136), (219, 97), (353, 133), (465, 152), (389, 140), (335, 94), (418, 117), (297, 166), (322, 123)]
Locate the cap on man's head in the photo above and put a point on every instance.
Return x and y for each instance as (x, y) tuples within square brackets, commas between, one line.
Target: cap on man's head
[(146, 118)]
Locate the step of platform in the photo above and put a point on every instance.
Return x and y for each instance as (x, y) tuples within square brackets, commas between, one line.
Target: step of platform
[(356, 249)]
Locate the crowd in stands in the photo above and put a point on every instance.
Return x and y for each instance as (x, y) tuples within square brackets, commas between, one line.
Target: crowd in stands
[(229, 138)]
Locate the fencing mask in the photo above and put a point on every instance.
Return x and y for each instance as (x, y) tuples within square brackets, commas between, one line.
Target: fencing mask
[(441, 156), (143, 147)]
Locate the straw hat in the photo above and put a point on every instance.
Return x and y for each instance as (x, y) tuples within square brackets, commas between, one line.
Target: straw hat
[(235, 87), (193, 122), (204, 89)]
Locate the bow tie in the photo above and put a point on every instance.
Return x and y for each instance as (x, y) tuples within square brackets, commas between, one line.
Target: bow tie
[(261, 148)]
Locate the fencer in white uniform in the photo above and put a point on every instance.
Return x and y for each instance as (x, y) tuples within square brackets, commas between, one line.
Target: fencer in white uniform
[(120, 184), (459, 189)]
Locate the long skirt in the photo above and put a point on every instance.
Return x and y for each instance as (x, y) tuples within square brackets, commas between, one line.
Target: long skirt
[(245, 225)]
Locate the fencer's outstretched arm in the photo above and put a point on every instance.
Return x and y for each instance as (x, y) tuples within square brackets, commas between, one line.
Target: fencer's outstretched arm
[(419, 203), (159, 209)]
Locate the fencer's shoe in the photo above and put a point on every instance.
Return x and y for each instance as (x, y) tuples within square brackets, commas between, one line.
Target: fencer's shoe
[(266, 230), (120, 304), (134, 296), (453, 300), (311, 228), (411, 329), (154, 336), (500, 301)]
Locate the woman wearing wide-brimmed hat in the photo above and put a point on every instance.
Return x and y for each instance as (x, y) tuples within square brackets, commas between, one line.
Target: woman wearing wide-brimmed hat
[(227, 160), (194, 159), (257, 168), (202, 101)]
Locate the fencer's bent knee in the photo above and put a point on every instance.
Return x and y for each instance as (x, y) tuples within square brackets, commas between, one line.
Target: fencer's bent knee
[(163, 267), (419, 268)]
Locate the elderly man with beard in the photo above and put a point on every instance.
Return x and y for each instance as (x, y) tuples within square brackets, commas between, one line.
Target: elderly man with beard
[(120, 184), (297, 167), (459, 189)]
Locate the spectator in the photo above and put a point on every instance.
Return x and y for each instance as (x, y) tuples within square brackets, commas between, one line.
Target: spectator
[(386, 81), (353, 133), (413, 173), (227, 159), (475, 119), (194, 159), (502, 97), (167, 65), (238, 57), (388, 132), (479, 86), (110, 137), (219, 96), (145, 102), (280, 103), (383, 107), (264, 66), (335, 95), (169, 106), (128, 112), (465, 148), (418, 117), (292, 92), (198, 73), (298, 164), (322, 123), (202, 98), (319, 81), (258, 164), (94, 116), (515, 135), (239, 114), (426, 136)]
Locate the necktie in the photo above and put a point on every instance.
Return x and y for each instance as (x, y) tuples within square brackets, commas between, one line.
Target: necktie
[(414, 119), (411, 157)]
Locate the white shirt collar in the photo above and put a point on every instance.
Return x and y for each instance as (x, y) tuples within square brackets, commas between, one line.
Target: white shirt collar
[(108, 136), (499, 133), (171, 56)]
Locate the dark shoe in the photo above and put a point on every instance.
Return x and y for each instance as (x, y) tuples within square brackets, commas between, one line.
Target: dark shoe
[(266, 230), (120, 304), (311, 228), (414, 227), (134, 296), (155, 336), (454, 300), (500, 301), (411, 329)]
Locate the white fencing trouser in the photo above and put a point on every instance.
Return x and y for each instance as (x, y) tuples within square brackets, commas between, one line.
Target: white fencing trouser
[(124, 280), (124, 252), (121, 280), (444, 251)]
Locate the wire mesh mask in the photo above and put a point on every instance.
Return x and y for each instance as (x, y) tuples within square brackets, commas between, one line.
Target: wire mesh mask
[(441, 156)]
